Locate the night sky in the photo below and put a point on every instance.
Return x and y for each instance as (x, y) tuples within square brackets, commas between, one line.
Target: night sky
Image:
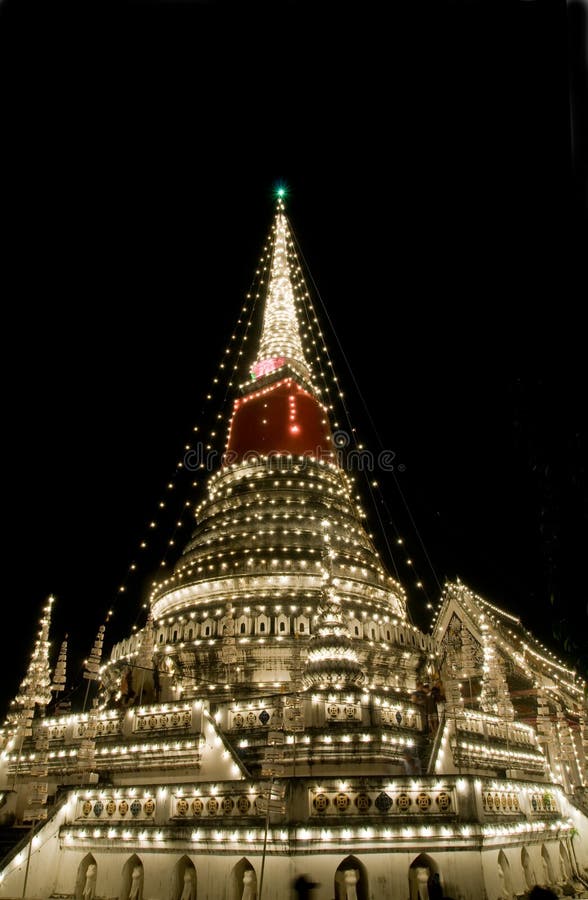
[(443, 240)]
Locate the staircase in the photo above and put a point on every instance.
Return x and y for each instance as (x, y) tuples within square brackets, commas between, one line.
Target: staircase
[(435, 744)]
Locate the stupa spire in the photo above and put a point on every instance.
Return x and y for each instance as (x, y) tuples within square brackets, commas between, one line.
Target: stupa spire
[(332, 658), (280, 343), (280, 412)]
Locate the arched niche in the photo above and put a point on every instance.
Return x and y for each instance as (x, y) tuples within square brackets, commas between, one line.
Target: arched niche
[(345, 885), (421, 869), (549, 876), (243, 881), (505, 876), (183, 883), (132, 879), (564, 862), (528, 872), (86, 888)]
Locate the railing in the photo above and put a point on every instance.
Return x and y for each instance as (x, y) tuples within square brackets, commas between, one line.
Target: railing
[(436, 745)]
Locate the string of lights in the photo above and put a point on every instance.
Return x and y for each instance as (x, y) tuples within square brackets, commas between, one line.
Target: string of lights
[(356, 444)]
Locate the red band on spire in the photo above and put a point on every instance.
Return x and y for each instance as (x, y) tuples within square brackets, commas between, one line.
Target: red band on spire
[(282, 418)]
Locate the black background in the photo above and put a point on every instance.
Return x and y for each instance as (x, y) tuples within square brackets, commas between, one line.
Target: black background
[(442, 218)]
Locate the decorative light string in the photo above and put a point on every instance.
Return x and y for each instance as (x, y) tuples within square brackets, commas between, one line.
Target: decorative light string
[(314, 328), (499, 629), (527, 643), (226, 377)]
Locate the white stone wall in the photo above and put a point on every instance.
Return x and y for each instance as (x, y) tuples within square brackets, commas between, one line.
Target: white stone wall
[(465, 874)]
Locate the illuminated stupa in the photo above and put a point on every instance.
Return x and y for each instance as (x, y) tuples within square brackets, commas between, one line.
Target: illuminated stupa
[(287, 718)]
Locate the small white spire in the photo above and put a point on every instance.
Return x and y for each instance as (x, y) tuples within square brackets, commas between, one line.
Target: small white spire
[(35, 686), (146, 648), (92, 664)]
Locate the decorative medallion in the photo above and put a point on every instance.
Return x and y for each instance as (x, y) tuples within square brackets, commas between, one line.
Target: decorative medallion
[(423, 801), (182, 807), (490, 801), (264, 717), (197, 807), (332, 710), (509, 801), (98, 807), (341, 802), (363, 802), (243, 804), (251, 718), (227, 805), (515, 801), (534, 803), (149, 807), (238, 721), (57, 733), (444, 801), (123, 808), (383, 802), (110, 807), (398, 717), (403, 801), (212, 806), (320, 802), (175, 719), (503, 801), (135, 808), (86, 807)]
